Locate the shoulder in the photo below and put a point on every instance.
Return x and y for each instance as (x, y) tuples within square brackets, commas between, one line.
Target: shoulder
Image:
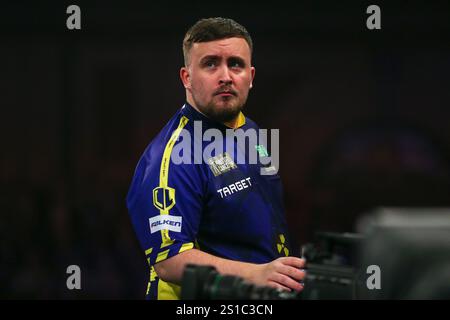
[(148, 168), (168, 133), (168, 150)]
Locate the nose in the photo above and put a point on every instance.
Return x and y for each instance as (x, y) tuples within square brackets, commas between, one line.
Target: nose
[(225, 77)]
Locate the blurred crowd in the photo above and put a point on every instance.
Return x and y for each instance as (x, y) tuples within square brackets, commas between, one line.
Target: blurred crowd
[(47, 228)]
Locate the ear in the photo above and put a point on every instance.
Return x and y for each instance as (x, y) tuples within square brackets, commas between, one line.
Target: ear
[(252, 70), (185, 77)]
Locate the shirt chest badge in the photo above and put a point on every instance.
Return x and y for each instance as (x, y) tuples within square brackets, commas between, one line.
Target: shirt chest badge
[(262, 151), (221, 164)]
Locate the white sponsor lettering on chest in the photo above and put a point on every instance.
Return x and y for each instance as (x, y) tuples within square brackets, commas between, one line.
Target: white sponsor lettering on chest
[(235, 187)]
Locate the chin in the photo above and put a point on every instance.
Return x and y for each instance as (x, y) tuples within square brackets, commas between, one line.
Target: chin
[(228, 103)]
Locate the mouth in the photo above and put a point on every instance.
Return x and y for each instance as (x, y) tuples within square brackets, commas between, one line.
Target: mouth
[(225, 93)]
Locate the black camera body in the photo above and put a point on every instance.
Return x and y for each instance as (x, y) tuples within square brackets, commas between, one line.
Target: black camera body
[(333, 271), (407, 249)]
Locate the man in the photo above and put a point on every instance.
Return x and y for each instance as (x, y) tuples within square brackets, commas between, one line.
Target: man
[(215, 212)]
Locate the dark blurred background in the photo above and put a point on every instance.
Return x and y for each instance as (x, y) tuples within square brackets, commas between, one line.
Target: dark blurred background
[(363, 118)]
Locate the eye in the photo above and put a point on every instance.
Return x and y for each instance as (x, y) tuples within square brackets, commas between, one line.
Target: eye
[(210, 64), (236, 64)]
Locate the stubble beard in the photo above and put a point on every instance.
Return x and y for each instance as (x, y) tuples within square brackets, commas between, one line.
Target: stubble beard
[(223, 111)]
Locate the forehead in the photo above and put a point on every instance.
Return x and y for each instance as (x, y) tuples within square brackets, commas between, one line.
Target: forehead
[(224, 47)]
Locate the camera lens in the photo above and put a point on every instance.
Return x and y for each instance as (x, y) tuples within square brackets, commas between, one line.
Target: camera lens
[(204, 282)]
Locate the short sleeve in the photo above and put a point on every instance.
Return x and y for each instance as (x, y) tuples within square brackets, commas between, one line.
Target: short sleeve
[(165, 204)]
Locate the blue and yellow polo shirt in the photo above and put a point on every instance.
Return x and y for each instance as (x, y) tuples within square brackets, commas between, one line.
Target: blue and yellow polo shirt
[(218, 205)]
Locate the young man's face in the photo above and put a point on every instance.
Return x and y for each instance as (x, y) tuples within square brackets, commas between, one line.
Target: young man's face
[(218, 77)]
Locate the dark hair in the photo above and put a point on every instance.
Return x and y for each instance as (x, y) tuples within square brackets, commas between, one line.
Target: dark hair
[(214, 29)]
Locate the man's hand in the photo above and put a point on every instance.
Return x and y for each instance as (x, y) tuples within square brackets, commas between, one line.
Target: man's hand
[(281, 273), (284, 273)]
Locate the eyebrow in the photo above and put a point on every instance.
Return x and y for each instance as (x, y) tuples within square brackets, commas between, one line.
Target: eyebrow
[(218, 58), (209, 58)]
